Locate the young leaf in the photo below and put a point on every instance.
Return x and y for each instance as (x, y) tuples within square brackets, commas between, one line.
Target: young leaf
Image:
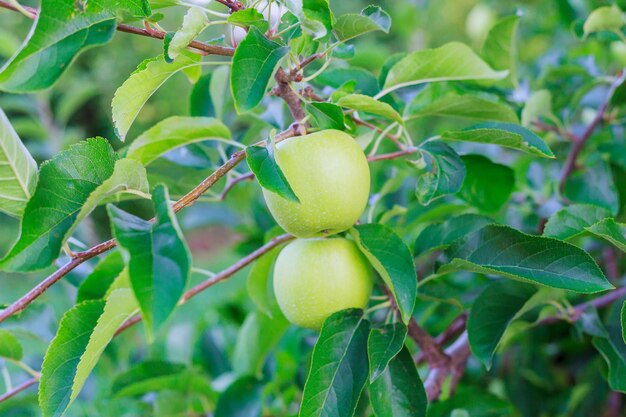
[(371, 19), (610, 230), (503, 134), (326, 115), (84, 332), (392, 259), (258, 335), (399, 391), (340, 350), (65, 184), (249, 17), (96, 285), (130, 97), (572, 220), (604, 18), (360, 102), (493, 311), (594, 185), (441, 172), (242, 398), (504, 251), (487, 185), (10, 347), (499, 48), (383, 344), (194, 22), (61, 32), (254, 63), (268, 173), (18, 170), (466, 106), (441, 235), (158, 258), (172, 133), (450, 62), (154, 375)]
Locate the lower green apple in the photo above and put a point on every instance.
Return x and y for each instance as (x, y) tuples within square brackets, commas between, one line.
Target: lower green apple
[(314, 278), (328, 171)]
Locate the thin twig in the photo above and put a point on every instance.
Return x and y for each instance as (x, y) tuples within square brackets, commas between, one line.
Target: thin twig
[(232, 5), (156, 34), (16, 390)]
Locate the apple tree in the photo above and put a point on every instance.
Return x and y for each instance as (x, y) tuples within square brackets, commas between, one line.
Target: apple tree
[(311, 208)]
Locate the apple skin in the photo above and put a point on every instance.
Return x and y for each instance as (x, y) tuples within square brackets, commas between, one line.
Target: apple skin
[(329, 173), (314, 278)]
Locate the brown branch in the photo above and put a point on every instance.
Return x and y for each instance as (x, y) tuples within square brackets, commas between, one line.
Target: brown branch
[(156, 34), (29, 383), (432, 351), (579, 142), (234, 6), (392, 155), (283, 90)]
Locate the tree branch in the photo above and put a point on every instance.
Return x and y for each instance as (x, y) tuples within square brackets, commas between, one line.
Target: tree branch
[(283, 90), (579, 142), (156, 34), (234, 6)]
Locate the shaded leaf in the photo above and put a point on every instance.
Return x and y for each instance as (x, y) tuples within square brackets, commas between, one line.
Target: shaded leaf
[(263, 164), (249, 17), (499, 48), (173, 133), (441, 235), (504, 251), (254, 63), (487, 185), (466, 106), (399, 391), (158, 258), (97, 284), (18, 170), (572, 220), (452, 61), (10, 347), (538, 105), (613, 349), (360, 102), (340, 351), (326, 115), (383, 344), (504, 134), (392, 259), (243, 398), (594, 185), (610, 230), (372, 18), (441, 172)]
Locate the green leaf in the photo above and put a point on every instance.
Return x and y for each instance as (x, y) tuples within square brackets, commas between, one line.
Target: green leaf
[(258, 283), (319, 11), (18, 170), (504, 251), (538, 105), (194, 22), (441, 172), (130, 97), (466, 106), (97, 284), (326, 115), (610, 230), (392, 259), (249, 17), (493, 311), (623, 321), (268, 173), (254, 62), (487, 185), (613, 349), (451, 62), (572, 220), (10, 347), (504, 134), (340, 350), (357, 78), (200, 101), (158, 258), (474, 401), (152, 376), (258, 335), (360, 102), (383, 344), (441, 235), (399, 391), (372, 18), (173, 133), (594, 185), (604, 18), (65, 185), (62, 30), (242, 398), (84, 332), (499, 48)]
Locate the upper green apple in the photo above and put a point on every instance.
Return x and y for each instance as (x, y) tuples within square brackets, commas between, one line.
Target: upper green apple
[(314, 278), (329, 173)]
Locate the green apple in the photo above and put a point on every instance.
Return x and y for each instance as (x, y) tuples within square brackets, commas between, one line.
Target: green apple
[(314, 278), (328, 171)]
